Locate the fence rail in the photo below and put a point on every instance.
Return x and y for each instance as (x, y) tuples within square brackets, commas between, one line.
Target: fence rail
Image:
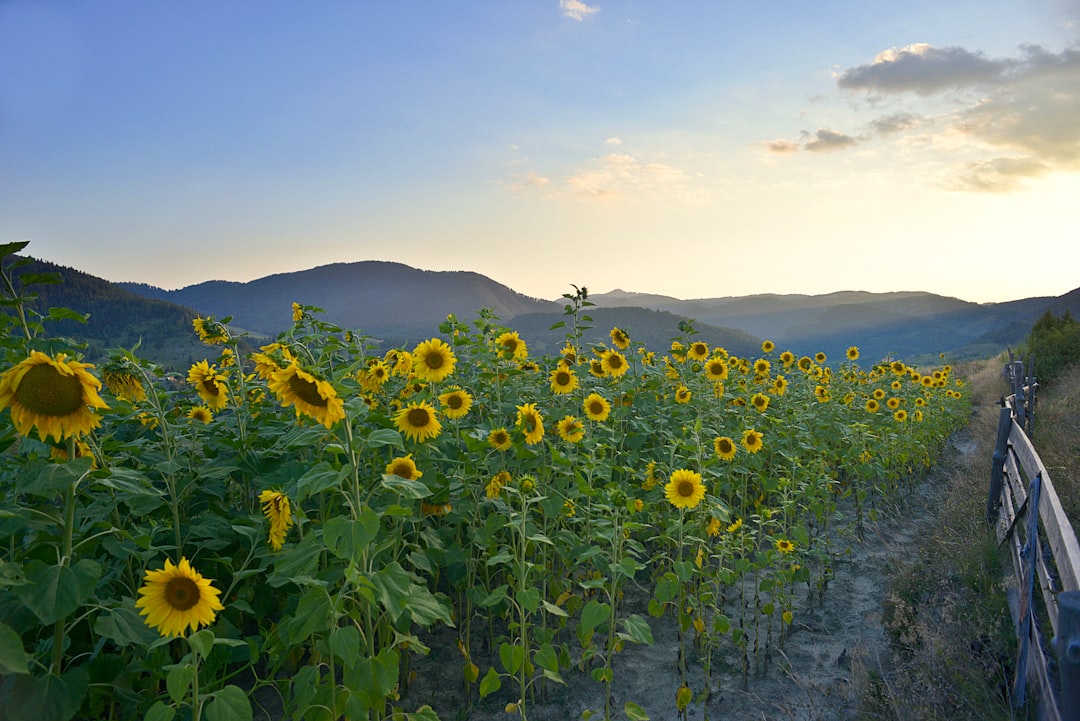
[(1030, 519)]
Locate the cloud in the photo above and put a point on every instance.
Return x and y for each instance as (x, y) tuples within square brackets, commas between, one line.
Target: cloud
[(923, 69), (895, 123), (617, 175), (613, 141), (998, 175), (577, 10), (826, 141), (781, 147), (531, 179)]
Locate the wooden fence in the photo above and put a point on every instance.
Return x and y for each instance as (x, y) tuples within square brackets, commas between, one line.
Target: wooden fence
[(1044, 550)]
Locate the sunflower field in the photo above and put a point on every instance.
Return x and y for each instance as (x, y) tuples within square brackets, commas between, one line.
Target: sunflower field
[(293, 525)]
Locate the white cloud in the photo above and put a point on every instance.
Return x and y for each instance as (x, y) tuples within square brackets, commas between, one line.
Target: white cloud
[(923, 69), (531, 179), (613, 141), (617, 175), (577, 10)]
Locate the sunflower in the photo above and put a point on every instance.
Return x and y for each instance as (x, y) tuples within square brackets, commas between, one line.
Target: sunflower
[(597, 407), (531, 422), (201, 414), (713, 528), (822, 394), (178, 598), (403, 467), (499, 439), (123, 378), (751, 440), (210, 331), (211, 384), (853, 353), (805, 364), (297, 312), (685, 489), (455, 403), (893, 403), (435, 509), (879, 394), (418, 421), (433, 360), (787, 358), (899, 368), (596, 368), (767, 346), (760, 401), (872, 406), (569, 354), (614, 364), (509, 345), (725, 448), (762, 367), (734, 525), (55, 396), (275, 506), (900, 415), (310, 396), (570, 429), (784, 546), (716, 369), (497, 483), (374, 376), (820, 357), (699, 350), (273, 357), (683, 394), (563, 380), (918, 416), (779, 386), (619, 338)]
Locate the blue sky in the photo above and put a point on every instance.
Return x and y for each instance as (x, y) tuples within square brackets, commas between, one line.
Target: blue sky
[(691, 149)]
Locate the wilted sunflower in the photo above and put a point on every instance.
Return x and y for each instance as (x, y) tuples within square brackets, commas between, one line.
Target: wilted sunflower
[(597, 407), (499, 439), (619, 338), (531, 422), (509, 345), (403, 467), (725, 448), (455, 403), (418, 421), (309, 395), (716, 369), (614, 364), (210, 331), (433, 360), (201, 414), (751, 440), (563, 380), (685, 489), (570, 429), (124, 379), (683, 394), (211, 384), (55, 396), (177, 598), (276, 508)]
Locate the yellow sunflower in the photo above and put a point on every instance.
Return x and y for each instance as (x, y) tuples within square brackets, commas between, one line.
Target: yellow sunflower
[(614, 364), (297, 312), (699, 350), (403, 467), (563, 380), (713, 527), (805, 364), (201, 414), (123, 378), (309, 395), (735, 525), (597, 407), (531, 422), (779, 386), (725, 448), (619, 338), (210, 331), (787, 358), (497, 483), (822, 394), (784, 546), (893, 403), (211, 384), (499, 439), (820, 357), (418, 421), (751, 440), (374, 376), (455, 403), (767, 346), (853, 353), (272, 357), (55, 396), (879, 394), (760, 401), (177, 598), (685, 489), (433, 360), (276, 508), (716, 369), (762, 366), (872, 406), (900, 415), (509, 345), (683, 394), (570, 429)]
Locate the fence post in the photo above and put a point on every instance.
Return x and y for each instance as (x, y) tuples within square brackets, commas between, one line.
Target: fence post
[(1019, 397), (997, 470), (1068, 653)]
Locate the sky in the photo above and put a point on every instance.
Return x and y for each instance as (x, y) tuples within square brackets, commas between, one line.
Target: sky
[(690, 149)]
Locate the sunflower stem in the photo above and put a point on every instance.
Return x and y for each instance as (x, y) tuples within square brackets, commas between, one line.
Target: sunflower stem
[(65, 560)]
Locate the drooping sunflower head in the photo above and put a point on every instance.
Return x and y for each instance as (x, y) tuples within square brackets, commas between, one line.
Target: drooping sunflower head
[(619, 338), (177, 599), (297, 312), (685, 489), (308, 394), (751, 440), (531, 423), (211, 384), (725, 448), (418, 421), (276, 508), (614, 364), (202, 414), (270, 358), (433, 360), (455, 403), (403, 467), (499, 439), (210, 331), (124, 379), (55, 396), (597, 408), (510, 346), (570, 429), (499, 481), (563, 380)]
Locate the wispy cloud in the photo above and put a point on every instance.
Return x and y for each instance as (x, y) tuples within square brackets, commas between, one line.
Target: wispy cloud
[(577, 10), (822, 140), (923, 69), (616, 175), (532, 179)]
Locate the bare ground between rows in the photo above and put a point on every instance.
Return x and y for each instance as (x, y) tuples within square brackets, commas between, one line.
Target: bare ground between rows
[(812, 677)]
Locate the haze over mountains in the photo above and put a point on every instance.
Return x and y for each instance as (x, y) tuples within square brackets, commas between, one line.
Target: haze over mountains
[(398, 305)]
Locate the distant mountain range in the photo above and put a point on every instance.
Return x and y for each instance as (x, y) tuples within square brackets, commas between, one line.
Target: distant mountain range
[(398, 305)]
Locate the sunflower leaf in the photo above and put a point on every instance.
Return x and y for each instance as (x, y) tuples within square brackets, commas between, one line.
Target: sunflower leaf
[(12, 653), (229, 704)]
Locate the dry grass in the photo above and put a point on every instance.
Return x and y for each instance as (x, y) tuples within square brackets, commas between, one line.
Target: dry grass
[(1057, 437), (947, 611)]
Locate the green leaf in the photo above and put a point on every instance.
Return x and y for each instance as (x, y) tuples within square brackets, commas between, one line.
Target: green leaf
[(546, 658), (51, 478), (602, 674), (637, 630), (160, 711), (512, 656), (372, 679), (392, 588), (202, 642), (348, 538), (635, 712), (321, 477), (560, 324), (425, 608), (345, 643), (178, 681), (312, 616), (553, 609), (54, 592), (593, 614), (59, 313), (490, 683), (7, 249), (40, 279), (385, 437), (528, 598), (229, 704), (413, 489), (48, 698), (124, 626), (12, 654)]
